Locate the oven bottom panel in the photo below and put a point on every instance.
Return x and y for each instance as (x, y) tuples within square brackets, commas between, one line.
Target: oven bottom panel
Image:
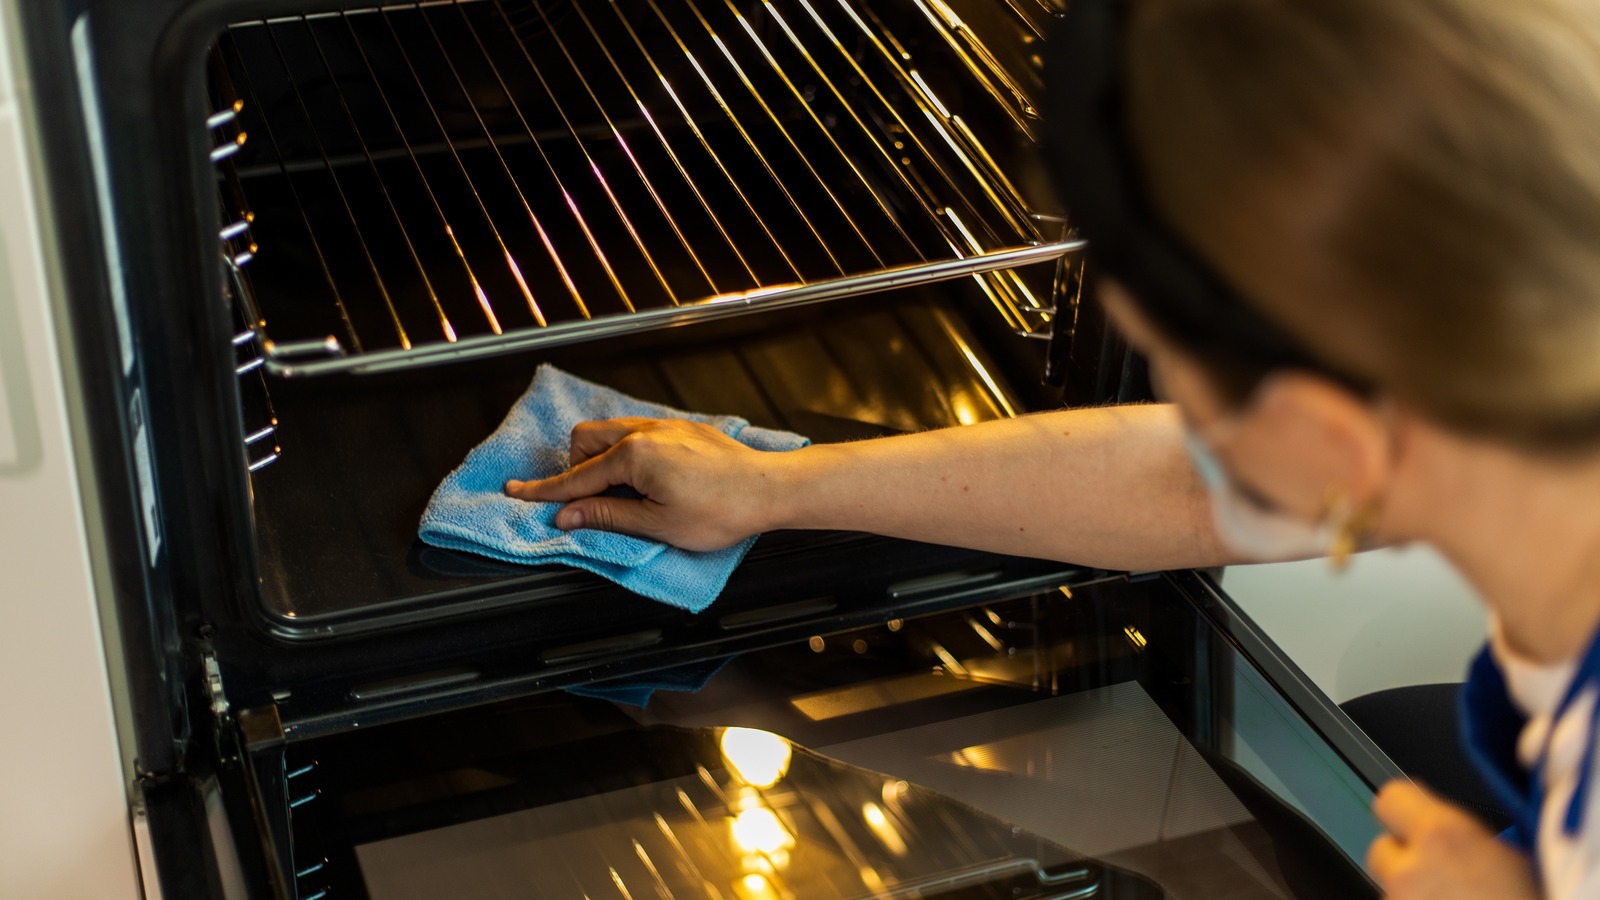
[(336, 516), (1118, 739)]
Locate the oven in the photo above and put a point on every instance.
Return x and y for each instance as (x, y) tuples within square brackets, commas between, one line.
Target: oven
[(318, 250)]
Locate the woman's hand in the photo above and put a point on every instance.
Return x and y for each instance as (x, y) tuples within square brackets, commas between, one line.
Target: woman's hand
[(1435, 849), (702, 489)]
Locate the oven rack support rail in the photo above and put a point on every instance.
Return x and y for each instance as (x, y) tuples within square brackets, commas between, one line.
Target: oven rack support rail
[(260, 421), (801, 144), (328, 356)]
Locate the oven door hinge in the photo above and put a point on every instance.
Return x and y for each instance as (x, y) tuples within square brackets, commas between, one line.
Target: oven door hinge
[(214, 690), (258, 726)]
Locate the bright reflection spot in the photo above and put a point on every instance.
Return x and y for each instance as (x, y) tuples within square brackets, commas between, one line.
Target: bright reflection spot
[(757, 830), (755, 887), (757, 758), (765, 863), (879, 822), (966, 414), (980, 756)]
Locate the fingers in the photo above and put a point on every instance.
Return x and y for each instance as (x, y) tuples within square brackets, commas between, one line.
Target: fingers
[(1385, 859), (1404, 809), (593, 476), (636, 517), (593, 468), (590, 439)]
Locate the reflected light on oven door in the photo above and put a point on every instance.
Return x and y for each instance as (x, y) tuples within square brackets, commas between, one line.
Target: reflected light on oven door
[(966, 411), (757, 830), (878, 821), (755, 887), (757, 758)]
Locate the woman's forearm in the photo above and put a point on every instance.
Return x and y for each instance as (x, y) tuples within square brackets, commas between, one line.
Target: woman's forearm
[(1108, 487)]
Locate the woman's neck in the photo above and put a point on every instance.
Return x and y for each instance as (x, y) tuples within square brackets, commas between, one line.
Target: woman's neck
[(1525, 531)]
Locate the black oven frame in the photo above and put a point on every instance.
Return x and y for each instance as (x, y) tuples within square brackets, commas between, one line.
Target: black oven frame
[(178, 628), (186, 603)]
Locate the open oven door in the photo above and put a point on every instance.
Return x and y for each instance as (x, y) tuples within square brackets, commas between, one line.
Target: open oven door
[(1127, 737)]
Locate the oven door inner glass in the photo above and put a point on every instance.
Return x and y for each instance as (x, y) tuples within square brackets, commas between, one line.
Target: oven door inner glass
[(1111, 744)]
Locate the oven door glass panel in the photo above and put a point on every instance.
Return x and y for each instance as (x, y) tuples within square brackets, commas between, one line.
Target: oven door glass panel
[(800, 825), (1118, 736)]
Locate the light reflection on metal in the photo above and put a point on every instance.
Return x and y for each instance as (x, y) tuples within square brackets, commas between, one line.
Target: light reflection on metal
[(985, 634), (999, 396), (709, 782), (757, 758), (883, 829), (655, 874), (477, 289), (880, 694), (965, 414), (980, 757), (688, 805), (1004, 289), (757, 830), (1135, 637), (578, 69), (694, 128), (928, 92), (981, 62), (951, 664), (573, 331), (755, 886), (684, 858), (824, 130), (621, 888)]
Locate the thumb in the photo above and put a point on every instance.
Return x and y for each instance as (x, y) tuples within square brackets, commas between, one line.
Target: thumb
[(609, 514)]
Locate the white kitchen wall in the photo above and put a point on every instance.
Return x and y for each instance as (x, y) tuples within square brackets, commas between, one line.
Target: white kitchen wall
[(1394, 617)]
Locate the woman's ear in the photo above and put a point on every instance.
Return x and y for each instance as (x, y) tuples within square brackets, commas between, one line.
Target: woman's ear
[(1314, 442)]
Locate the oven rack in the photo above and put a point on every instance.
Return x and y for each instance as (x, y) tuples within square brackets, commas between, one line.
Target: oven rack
[(451, 180)]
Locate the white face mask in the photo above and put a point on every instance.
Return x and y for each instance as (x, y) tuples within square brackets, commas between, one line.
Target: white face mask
[(1249, 529)]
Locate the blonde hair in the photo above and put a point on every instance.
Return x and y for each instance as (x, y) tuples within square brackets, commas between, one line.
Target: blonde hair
[(1440, 160)]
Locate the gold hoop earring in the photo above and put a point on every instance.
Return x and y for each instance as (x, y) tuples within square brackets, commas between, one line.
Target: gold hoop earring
[(1351, 525)]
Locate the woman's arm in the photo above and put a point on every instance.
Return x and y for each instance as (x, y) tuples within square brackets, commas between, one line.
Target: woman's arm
[(1108, 487)]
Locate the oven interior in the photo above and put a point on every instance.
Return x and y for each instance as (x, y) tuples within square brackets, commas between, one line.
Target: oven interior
[(824, 216)]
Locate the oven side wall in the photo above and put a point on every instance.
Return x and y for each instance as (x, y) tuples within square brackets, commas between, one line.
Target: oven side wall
[(66, 829)]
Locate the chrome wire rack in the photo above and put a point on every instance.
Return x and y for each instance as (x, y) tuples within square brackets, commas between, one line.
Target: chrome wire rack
[(444, 180)]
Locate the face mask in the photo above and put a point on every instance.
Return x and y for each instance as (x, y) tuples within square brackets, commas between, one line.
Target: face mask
[(1244, 525)]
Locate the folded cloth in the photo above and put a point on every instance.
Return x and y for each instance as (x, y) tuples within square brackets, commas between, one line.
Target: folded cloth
[(470, 510), (636, 690)]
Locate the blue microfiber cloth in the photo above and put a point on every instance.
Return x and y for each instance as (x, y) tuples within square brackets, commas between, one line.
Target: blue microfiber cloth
[(471, 512), (636, 690)]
